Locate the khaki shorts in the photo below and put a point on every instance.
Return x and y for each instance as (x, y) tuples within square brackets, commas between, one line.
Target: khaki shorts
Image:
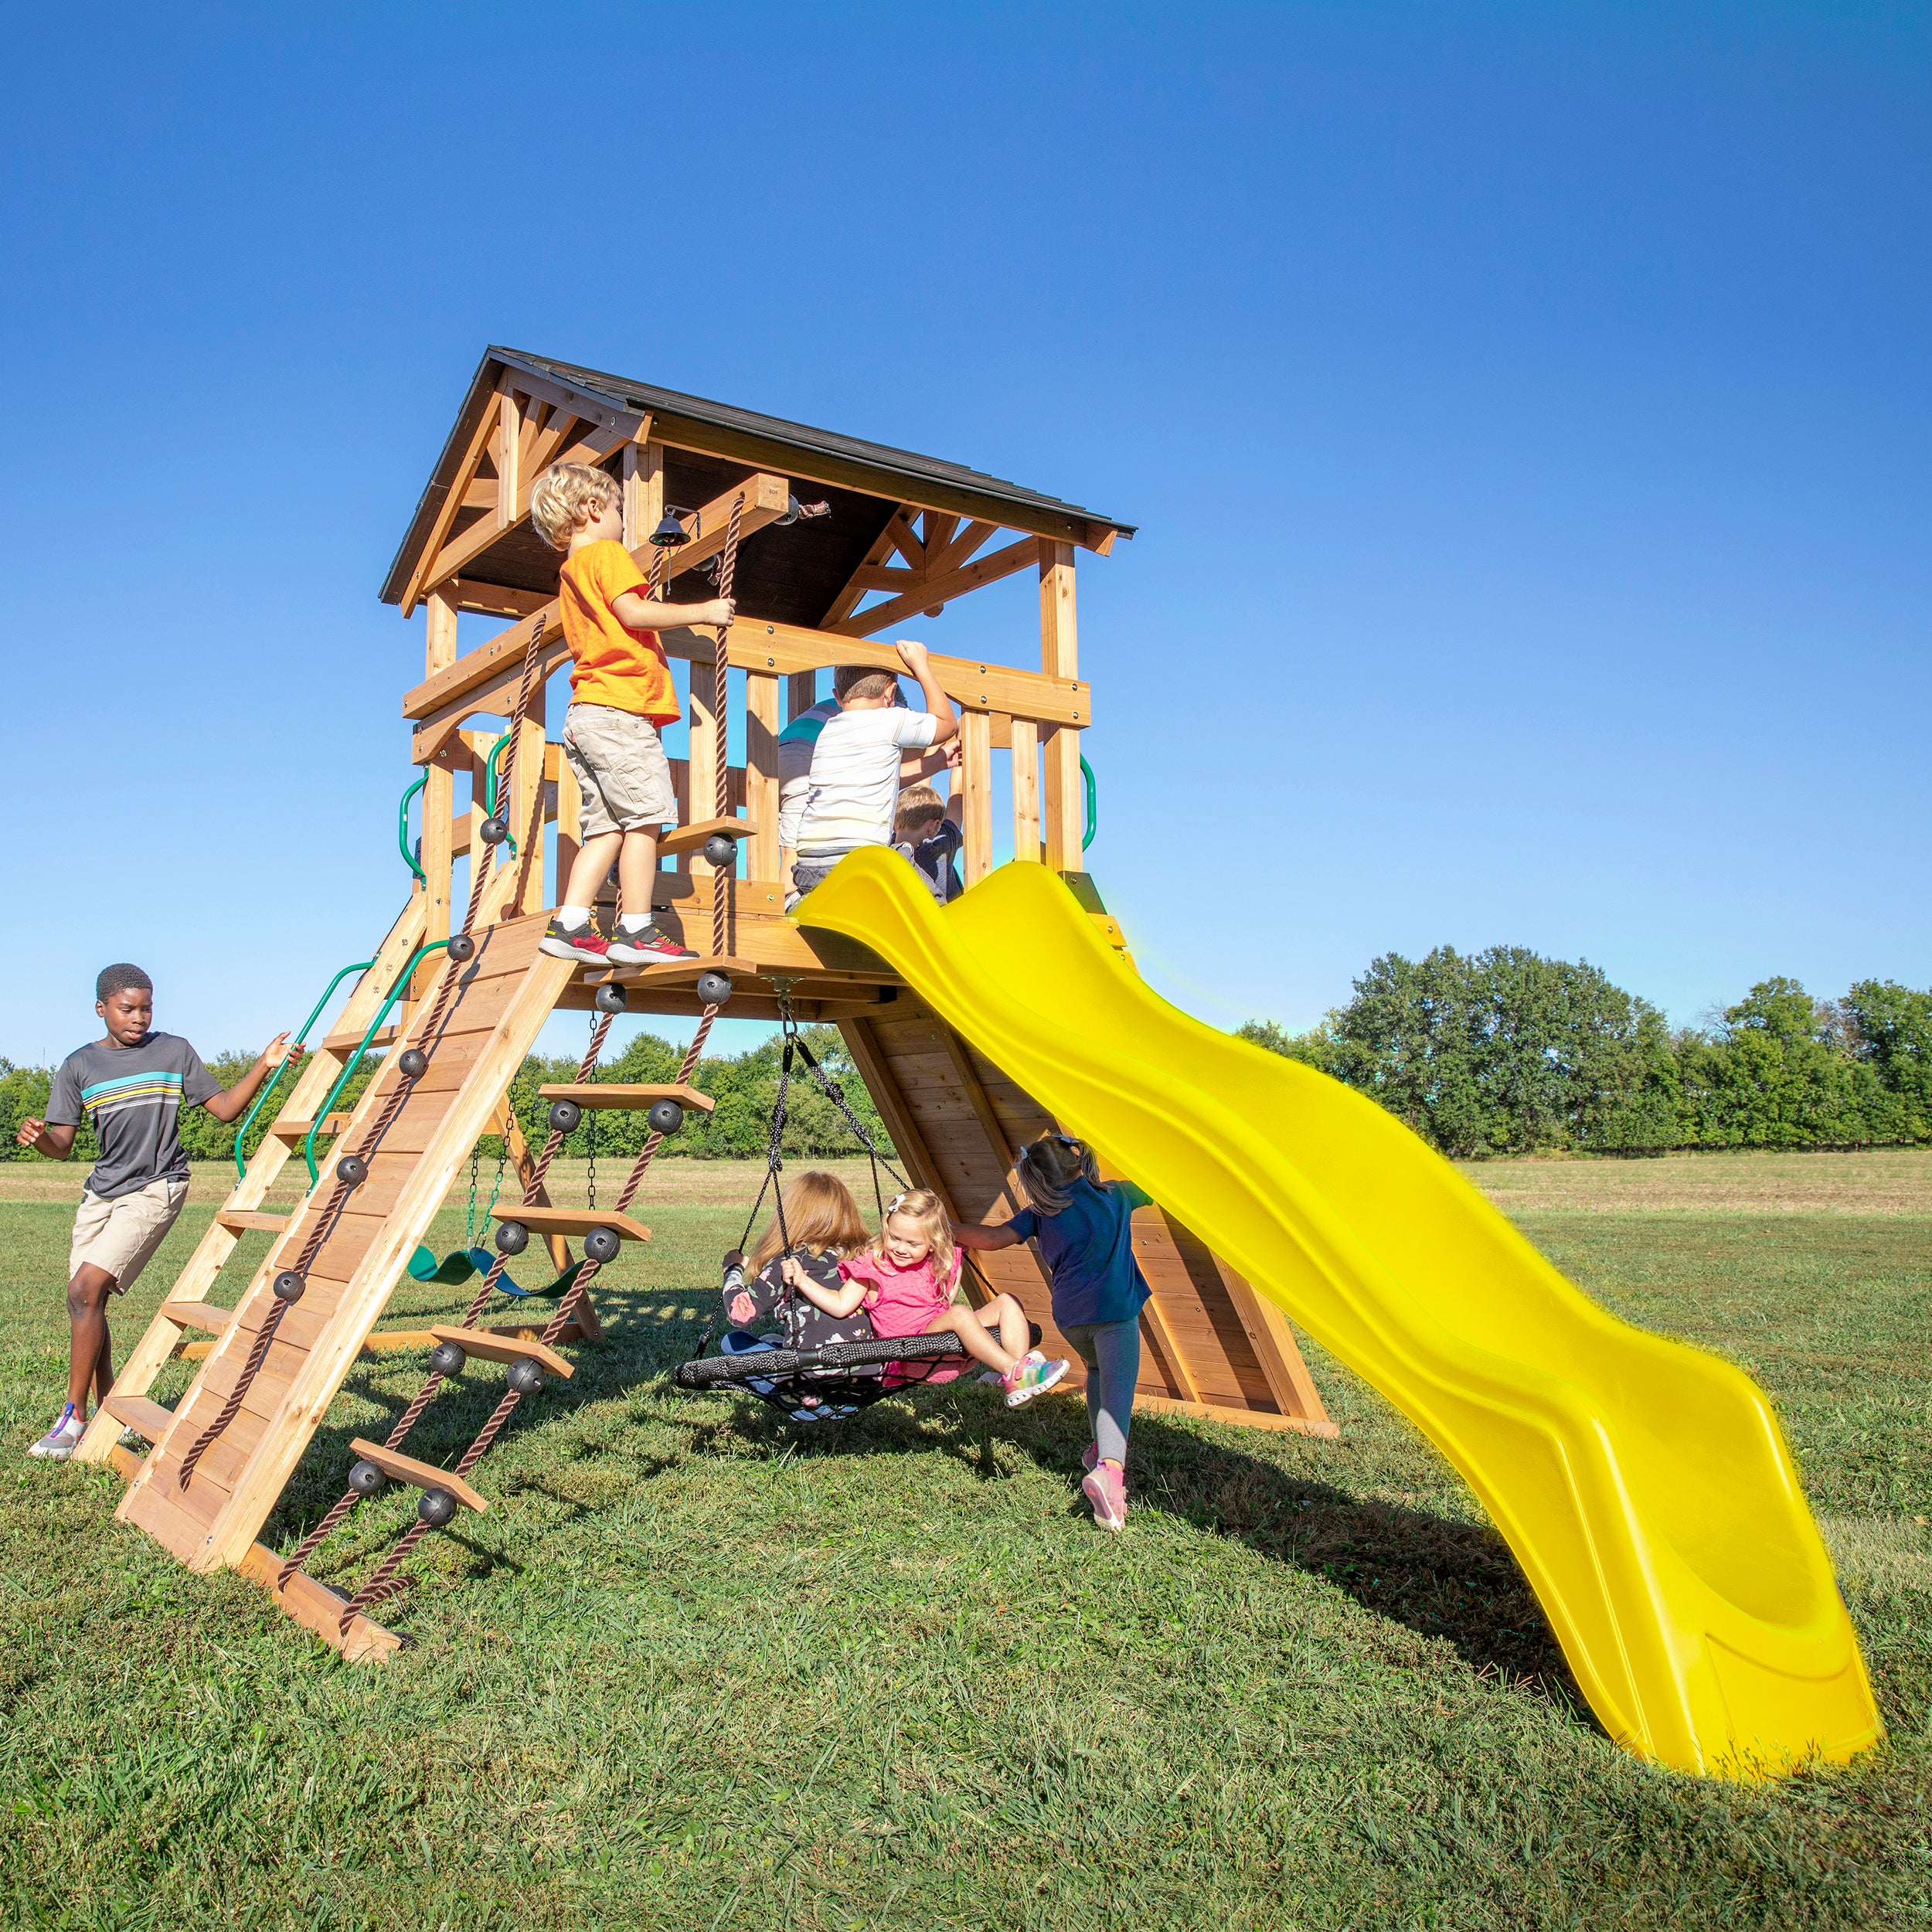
[(120, 1237), (620, 769)]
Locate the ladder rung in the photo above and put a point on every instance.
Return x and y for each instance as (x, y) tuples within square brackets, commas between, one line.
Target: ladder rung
[(424, 1475), (197, 1314), (603, 1095), (504, 1347), (298, 1130), (145, 1418), (348, 1043), (241, 1221), (569, 1220), (691, 837)]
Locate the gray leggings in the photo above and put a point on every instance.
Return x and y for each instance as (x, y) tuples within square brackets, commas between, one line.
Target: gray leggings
[(1111, 1351)]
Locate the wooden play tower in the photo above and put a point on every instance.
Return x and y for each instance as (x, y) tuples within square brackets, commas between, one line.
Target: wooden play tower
[(904, 535)]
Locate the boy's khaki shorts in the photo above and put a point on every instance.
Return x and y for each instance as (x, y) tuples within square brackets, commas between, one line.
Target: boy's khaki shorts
[(620, 769), (120, 1237)]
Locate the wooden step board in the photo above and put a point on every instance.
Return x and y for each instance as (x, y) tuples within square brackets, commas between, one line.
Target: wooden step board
[(505, 995), (1210, 1345), (618, 1096)]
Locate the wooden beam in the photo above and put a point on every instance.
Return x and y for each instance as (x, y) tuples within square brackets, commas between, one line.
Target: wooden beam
[(627, 1097), (959, 549), (318, 1608), (568, 1220), (942, 590), (853, 589), (1060, 657), (479, 448), (510, 436), (438, 791), (487, 1347)]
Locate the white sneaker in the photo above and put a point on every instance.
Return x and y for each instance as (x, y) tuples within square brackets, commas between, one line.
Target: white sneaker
[(63, 1439)]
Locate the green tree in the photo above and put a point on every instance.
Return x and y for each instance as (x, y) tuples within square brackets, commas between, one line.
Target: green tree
[(1890, 1030)]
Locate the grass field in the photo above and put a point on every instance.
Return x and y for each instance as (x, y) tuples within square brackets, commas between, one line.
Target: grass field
[(687, 1673)]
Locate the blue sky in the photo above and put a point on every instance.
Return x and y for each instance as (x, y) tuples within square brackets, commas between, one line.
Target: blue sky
[(1526, 409)]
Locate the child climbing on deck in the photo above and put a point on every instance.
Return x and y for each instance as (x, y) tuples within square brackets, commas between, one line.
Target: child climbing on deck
[(856, 766), (1086, 1239), (134, 1083), (927, 831), (621, 695), (904, 1279)]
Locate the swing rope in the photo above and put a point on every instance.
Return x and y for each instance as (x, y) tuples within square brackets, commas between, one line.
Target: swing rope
[(724, 880)]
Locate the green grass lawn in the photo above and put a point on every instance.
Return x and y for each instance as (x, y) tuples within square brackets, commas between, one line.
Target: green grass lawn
[(688, 1673)]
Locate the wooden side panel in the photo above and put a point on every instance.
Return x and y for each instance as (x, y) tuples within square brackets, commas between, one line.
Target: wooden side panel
[(213, 1520), (961, 1122)]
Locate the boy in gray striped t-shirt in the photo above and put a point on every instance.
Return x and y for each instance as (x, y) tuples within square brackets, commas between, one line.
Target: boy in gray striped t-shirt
[(134, 1083)]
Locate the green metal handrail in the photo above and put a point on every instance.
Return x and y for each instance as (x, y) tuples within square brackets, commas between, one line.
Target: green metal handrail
[(490, 784), (248, 1119), (1093, 804), (355, 1059), (402, 830)]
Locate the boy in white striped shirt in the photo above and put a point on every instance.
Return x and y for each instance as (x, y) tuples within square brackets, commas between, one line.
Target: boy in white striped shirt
[(856, 766)]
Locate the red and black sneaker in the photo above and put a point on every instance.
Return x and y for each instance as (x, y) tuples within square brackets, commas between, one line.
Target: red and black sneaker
[(651, 946), (584, 943)]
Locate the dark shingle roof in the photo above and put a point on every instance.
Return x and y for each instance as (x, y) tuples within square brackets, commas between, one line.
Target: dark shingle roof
[(796, 448)]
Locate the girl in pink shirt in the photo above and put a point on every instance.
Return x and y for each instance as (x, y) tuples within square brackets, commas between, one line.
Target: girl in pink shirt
[(905, 1281)]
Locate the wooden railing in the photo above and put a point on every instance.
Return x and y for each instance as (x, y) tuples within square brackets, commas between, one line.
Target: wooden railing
[(1002, 709)]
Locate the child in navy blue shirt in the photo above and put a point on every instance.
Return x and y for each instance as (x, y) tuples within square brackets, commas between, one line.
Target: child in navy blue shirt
[(1085, 1237)]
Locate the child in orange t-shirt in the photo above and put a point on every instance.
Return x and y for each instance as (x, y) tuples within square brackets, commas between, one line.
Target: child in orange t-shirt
[(620, 693)]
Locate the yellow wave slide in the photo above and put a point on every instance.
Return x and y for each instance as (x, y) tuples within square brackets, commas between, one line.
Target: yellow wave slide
[(1644, 1486)]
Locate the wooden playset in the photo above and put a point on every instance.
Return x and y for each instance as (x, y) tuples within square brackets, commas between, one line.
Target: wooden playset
[(455, 996)]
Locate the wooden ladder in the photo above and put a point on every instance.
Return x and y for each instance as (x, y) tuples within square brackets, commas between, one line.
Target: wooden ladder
[(505, 995)]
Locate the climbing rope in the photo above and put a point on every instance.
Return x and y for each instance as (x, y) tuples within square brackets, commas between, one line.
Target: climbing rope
[(384, 1583), (352, 1170), (723, 884)]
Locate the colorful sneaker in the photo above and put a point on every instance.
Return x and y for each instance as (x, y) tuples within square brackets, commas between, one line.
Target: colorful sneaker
[(583, 942), (1032, 1374), (1089, 1456), (1105, 1489), (651, 946), (64, 1438)]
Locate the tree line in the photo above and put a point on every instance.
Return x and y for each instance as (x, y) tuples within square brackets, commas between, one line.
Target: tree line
[(1505, 1052), (744, 1085)]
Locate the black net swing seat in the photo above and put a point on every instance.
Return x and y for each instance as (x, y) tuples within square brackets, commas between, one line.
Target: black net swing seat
[(833, 1384), (834, 1381)]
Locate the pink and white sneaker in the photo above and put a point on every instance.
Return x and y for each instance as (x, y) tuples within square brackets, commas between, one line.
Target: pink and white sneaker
[(1105, 1488), (1089, 1456), (649, 945), (1032, 1374)]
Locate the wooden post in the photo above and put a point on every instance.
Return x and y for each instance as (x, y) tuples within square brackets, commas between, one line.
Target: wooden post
[(1026, 789), (705, 801), (643, 491), (976, 776), (439, 793), (801, 693), (761, 772), (1060, 657), (525, 807)]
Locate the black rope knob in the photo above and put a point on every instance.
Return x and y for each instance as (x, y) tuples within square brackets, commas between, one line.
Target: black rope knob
[(526, 1378), (436, 1508), (713, 989), (721, 852), (612, 999), (666, 1117), (289, 1286), (366, 1480), (493, 831), (351, 1170), (413, 1062), (601, 1244), (564, 1116), (462, 948), (447, 1358), (512, 1238)]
